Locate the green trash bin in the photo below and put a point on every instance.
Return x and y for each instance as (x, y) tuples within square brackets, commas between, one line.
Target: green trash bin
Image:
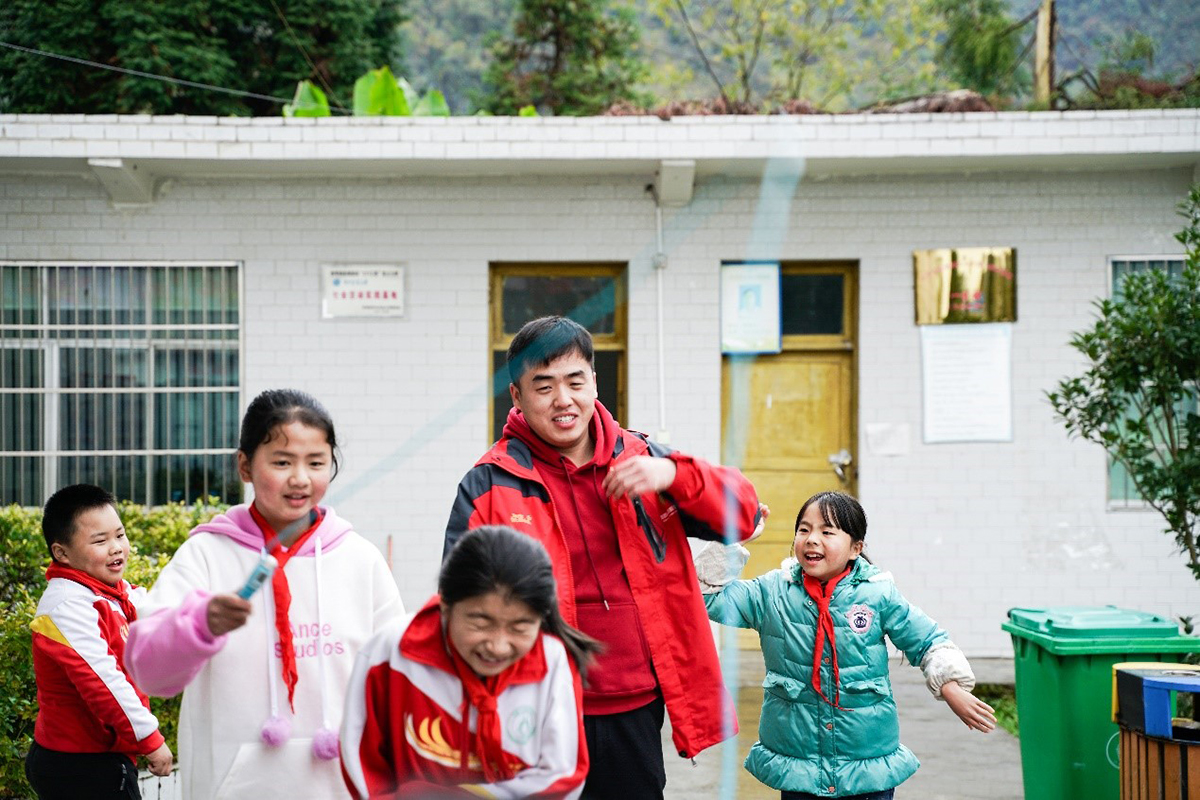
[(1063, 662)]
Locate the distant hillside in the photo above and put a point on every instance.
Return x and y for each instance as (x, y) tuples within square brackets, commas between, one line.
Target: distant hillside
[(445, 43), (1087, 30)]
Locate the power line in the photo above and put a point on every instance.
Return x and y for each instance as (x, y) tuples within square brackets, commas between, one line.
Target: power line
[(150, 75), (303, 52)]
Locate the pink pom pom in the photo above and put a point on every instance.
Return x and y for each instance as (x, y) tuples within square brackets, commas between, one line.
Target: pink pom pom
[(325, 744), (276, 731)]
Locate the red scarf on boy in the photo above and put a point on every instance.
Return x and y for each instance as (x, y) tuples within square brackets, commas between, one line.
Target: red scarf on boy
[(283, 595), (119, 593), (821, 595)]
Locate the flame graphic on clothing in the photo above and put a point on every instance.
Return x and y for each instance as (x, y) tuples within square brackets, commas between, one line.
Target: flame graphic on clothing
[(429, 741)]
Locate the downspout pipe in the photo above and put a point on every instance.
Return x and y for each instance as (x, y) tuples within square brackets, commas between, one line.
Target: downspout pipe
[(660, 264)]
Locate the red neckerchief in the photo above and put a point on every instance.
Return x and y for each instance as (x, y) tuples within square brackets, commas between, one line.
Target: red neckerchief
[(283, 596), (120, 592), (822, 595), (425, 642), (482, 693)]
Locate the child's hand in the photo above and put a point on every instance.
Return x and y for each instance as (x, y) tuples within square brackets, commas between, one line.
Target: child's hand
[(226, 612), (161, 760), (762, 523), (974, 713)]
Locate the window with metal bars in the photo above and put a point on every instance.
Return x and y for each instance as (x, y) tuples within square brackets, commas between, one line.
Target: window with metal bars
[(1122, 493), (126, 375)]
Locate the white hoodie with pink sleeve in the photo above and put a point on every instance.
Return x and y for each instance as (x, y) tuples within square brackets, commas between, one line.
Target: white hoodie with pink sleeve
[(342, 594)]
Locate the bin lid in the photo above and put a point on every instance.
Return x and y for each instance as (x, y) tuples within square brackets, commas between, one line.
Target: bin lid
[(1081, 630), (1093, 622)]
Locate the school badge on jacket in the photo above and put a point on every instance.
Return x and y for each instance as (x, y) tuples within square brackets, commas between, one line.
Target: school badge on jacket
[(860, 618)]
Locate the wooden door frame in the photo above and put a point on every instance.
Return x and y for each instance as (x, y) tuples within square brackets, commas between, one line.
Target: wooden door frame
[(846, 341), (617, 341)]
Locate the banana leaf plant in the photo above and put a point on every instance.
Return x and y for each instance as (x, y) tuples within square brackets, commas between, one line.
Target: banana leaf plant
[(378, 93)]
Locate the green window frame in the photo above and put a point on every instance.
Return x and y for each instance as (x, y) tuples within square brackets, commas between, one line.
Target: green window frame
[(127, 375), (1122, 493)]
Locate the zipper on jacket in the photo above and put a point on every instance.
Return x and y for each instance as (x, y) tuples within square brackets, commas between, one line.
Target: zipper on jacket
[(657, 545)]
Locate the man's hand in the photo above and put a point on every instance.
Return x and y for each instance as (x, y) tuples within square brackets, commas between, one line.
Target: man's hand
[(639, 475), (974, 713), (161, 760), (226, 612)]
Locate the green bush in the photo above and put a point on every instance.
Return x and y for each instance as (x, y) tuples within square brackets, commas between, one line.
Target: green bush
[(155, 533), (1003, 698)]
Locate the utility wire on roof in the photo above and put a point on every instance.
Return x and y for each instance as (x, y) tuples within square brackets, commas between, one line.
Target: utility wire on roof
[(152, 76)]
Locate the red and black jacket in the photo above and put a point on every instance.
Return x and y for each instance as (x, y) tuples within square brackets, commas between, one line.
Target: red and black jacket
[(503, 488)]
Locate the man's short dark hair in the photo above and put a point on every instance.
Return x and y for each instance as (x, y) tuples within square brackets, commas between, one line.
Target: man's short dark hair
[(544, 339), (65, 506)]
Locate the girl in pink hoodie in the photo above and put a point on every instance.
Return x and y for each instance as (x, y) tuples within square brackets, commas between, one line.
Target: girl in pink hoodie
[(265, 676)]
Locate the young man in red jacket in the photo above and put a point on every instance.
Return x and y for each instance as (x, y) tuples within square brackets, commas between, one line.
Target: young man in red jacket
[(614, 511)]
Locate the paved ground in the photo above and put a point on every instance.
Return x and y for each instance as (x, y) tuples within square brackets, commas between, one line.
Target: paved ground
[(956, 764)]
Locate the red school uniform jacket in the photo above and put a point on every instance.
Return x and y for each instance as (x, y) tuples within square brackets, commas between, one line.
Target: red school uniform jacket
[(86, 703), (504, 488), (403, 732)]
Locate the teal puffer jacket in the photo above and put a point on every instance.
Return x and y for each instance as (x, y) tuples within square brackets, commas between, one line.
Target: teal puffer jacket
[(804, 743)]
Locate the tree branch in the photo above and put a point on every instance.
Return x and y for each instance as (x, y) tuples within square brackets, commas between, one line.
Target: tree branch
[(708, 67)]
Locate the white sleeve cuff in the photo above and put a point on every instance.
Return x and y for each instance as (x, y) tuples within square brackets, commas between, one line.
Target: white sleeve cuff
[(718, 564), (943, 663)]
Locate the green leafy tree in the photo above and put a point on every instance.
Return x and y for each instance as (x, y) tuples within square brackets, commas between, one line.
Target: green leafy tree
[(831, 52), (982, 47), (444, 45), (255, 47), (567, 57), (1137, 397)]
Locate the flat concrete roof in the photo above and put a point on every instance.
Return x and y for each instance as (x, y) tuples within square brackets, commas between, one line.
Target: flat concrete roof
[(395, 147)]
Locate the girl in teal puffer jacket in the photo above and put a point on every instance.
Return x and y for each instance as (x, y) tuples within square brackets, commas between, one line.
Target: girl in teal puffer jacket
[(828, 726)]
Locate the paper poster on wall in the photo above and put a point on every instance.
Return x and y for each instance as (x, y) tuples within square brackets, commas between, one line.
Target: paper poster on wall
[(750, 315), (966, 375), (362, 290)]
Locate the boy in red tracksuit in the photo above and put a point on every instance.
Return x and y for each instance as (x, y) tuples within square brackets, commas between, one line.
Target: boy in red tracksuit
[(92, 721), (614, 511)]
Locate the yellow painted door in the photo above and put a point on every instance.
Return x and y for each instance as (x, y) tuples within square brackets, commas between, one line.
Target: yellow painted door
[(786, 416)]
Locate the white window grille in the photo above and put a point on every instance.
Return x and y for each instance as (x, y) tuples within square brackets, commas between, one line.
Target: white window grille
[(1122, 493), (126, 375)]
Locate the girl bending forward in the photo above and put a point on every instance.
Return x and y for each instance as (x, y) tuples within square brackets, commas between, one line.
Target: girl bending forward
[(479, 693)]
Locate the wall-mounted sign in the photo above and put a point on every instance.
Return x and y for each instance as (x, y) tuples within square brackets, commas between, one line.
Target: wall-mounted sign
[(362, 290), (965, 284), (966, 385), (750, 320)]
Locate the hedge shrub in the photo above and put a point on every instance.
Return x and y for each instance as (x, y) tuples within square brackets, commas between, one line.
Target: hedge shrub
[(155, 533)]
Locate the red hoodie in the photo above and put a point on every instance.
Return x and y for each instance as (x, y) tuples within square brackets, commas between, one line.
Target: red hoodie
[(622, 678), (706, 501)]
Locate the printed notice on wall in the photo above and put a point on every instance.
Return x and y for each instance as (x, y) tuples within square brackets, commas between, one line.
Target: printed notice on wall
[(750, 313), (967, 382), (362, 290)]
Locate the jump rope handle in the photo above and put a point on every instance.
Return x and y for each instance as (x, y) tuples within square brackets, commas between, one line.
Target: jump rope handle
[(262, 571)]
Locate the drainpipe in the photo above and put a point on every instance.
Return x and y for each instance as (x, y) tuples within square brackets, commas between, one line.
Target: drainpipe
[(673, 186), (660, 264)]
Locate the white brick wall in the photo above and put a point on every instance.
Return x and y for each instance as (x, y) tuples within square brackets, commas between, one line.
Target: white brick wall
[(969, 529)]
